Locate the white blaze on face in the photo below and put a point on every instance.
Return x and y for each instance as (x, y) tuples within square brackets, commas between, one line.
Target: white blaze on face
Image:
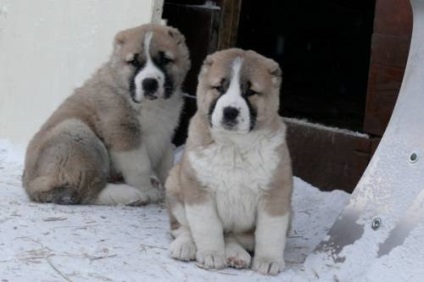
[(232, 100), (148, 74)]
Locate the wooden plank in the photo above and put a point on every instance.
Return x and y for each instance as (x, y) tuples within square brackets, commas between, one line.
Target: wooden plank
[(393, 17), (383, 89), (327, 158), (229, 23), (390, 50)]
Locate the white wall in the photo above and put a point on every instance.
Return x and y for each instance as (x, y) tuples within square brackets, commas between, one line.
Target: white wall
[(49, 47)]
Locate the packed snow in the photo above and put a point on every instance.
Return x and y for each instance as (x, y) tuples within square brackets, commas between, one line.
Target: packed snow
[(47, 242)]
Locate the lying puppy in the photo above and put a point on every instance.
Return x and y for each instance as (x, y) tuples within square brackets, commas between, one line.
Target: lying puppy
[(120, 122), (231, 191)]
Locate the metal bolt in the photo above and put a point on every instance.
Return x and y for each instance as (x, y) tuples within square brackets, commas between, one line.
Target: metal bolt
[(376, 223), (413, 158)]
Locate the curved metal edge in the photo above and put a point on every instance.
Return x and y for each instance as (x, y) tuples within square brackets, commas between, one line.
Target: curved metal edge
[(388, 202)]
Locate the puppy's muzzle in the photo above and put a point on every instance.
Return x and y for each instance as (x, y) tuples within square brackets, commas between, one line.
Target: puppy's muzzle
[(150, 87), (229, 116)]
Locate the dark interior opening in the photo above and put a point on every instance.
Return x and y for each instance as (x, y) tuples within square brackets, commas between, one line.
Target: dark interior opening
[(323, 48)]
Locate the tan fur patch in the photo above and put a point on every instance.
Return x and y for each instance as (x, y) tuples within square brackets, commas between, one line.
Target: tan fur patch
[(182, 184), (278, 198)]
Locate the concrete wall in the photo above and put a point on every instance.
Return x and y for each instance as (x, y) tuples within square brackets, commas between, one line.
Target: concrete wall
[(47, 48)]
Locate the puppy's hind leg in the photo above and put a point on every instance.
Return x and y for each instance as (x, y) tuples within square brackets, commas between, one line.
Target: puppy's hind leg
[(237, 256), (183, 247), (70, 167), (120, 194)]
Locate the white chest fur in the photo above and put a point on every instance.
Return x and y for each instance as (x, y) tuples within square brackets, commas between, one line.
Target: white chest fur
[(237, 172), (158, 120)]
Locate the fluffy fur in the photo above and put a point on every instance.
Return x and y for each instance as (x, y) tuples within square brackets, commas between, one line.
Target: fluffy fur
[(118, 124), (230, 193)]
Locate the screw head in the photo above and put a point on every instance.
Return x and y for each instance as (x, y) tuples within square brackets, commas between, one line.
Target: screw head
[(376, 223), (413, 158)]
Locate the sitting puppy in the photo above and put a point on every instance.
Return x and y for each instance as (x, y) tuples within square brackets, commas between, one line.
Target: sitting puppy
[(231, 191), (119, 123)]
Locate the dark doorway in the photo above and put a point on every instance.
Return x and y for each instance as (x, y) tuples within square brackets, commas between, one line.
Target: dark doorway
[(323, 48)]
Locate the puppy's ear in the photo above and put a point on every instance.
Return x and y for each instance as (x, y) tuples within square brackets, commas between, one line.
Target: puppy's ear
[(176, 35), (275, 70), (120, 39), (208, 61), (206, 64)]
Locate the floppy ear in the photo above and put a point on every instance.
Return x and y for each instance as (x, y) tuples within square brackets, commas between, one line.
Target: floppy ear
[(176, 35), (206, 64), (120, 39), (208, 61), (274, 68)]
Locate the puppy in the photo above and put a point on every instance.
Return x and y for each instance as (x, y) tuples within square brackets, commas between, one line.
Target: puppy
[(119, 123), (230, 193)]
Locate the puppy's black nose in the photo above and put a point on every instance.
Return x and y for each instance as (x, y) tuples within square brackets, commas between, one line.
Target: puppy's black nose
[(230, 114), (150, 85)]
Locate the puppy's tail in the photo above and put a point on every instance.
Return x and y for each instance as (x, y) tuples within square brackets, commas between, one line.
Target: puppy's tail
[(119, 194)]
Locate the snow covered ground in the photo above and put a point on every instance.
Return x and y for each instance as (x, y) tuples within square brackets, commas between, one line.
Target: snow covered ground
[(43, 242)]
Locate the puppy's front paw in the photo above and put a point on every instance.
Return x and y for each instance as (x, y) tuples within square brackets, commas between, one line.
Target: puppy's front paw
[(154, 195), (271, 266), (183, 249), (210, 259), (237, 257)]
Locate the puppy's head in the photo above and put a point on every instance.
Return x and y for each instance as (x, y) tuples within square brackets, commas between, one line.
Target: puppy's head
[(238, 90), (150, 61)]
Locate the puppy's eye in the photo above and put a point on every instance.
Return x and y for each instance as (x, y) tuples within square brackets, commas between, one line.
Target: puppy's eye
[(134, 61), (164, 59), (250, 92), (219, 88)]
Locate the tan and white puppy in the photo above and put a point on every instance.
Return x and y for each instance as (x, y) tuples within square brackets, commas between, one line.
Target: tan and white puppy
[(230, 193), (120, 122)]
